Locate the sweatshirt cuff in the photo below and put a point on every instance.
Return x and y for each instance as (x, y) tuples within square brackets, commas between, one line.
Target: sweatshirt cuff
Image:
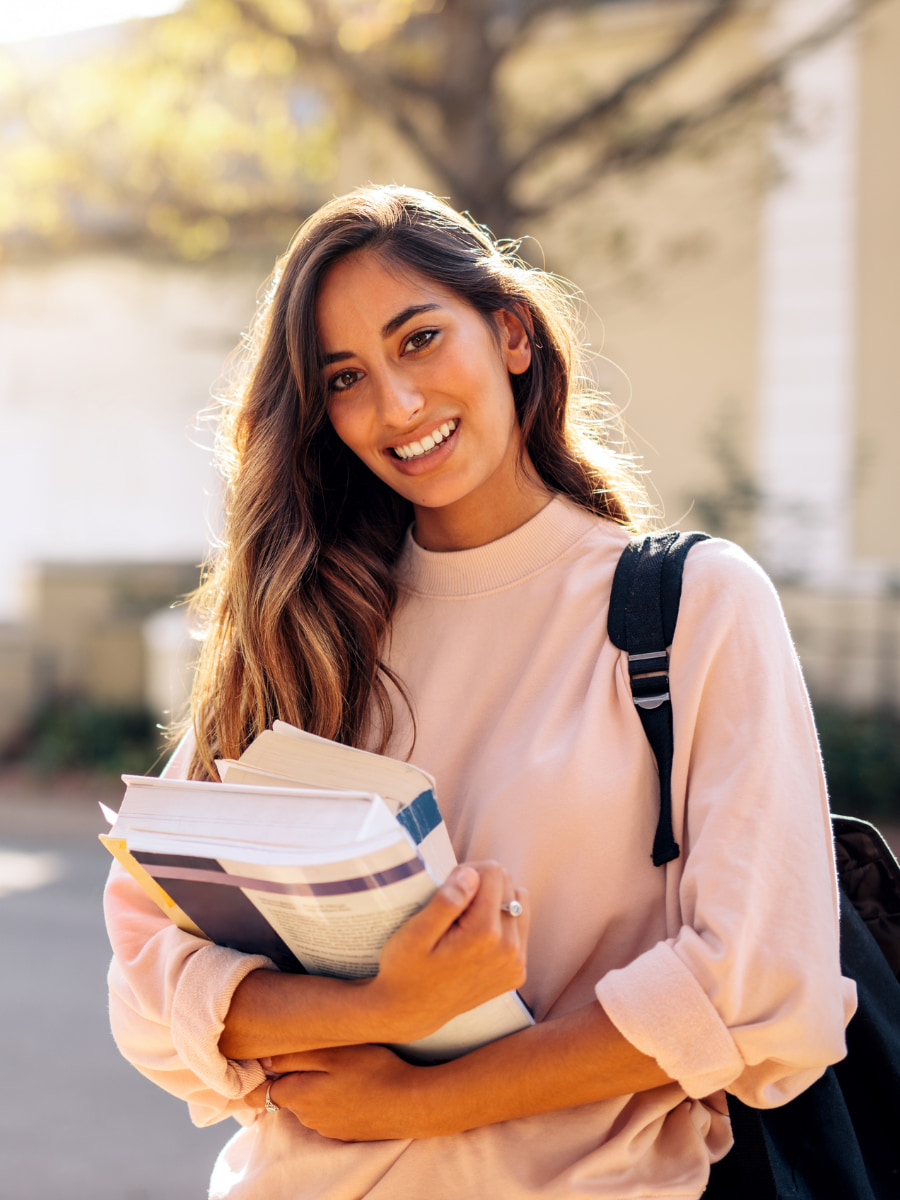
[(202, 997), (658, 1005)]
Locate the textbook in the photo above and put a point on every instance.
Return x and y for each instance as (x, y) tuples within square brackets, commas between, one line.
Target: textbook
[(316, 877), (285, 755)]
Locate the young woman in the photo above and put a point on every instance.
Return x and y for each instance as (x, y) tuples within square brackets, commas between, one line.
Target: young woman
[(421, 536)]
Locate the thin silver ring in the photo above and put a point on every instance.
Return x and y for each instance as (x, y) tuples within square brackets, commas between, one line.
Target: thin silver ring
[(514, 908), (271, 1106)]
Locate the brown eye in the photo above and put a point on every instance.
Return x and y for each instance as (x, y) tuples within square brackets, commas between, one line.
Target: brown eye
[(343, 381), (420, 339)]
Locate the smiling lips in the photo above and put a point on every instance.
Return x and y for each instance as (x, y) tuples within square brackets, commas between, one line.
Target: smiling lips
[(428, 443)]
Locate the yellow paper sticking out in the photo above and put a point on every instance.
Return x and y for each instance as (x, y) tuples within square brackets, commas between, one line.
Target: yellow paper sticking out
[(120, 852)]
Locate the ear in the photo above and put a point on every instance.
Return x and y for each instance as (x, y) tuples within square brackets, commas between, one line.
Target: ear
[(514, 341)]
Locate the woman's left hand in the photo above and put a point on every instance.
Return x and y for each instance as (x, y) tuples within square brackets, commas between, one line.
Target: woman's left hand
[(351, 1093)]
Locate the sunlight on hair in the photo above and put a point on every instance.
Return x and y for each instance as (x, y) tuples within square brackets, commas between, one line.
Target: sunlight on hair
[(21, 871), (48, 18)]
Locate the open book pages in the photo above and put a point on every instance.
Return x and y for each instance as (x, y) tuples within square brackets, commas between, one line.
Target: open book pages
[(317, 880), (285, 754)]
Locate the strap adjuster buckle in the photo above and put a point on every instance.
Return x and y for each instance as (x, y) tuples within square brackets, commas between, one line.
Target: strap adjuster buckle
[(649, 675)]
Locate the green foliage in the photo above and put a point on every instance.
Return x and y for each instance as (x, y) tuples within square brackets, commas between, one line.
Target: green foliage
[(180, 133), (80, 734), (862, 761)]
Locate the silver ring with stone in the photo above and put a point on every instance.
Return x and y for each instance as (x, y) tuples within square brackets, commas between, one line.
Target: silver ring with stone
[(271, 1106), (514, 908)]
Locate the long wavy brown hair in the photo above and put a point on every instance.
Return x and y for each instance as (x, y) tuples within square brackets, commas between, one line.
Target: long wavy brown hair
[(297, 601)]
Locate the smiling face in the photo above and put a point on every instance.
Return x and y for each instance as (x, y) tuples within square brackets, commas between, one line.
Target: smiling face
[(418, 387)]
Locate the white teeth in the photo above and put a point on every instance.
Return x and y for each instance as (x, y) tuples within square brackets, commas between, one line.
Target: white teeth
[(428, 442)]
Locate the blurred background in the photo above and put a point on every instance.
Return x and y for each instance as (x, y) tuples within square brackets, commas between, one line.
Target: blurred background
[(720, 178)]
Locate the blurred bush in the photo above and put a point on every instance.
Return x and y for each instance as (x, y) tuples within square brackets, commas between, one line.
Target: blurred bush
[(862, 761), (85, 735)]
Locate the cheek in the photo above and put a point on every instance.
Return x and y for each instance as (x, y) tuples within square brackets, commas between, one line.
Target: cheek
[(502, 410), (345, 424), (353, 428)]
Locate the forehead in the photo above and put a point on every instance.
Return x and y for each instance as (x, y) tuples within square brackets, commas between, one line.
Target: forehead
[(363, 292)]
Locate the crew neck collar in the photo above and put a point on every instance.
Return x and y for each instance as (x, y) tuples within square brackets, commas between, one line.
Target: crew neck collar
[(498, 564)]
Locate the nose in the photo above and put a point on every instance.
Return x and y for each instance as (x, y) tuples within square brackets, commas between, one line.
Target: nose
[(399, 400)]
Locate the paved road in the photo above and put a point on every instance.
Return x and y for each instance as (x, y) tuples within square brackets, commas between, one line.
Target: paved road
[(76, 1121)]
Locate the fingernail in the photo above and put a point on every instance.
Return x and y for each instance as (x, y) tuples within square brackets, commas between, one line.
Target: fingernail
[(266, 1064), (465, 879)]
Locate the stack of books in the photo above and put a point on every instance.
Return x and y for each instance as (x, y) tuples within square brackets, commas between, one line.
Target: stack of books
[(307, 851)]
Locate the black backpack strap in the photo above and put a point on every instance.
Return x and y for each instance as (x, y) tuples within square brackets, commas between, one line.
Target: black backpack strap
[(643, 611)]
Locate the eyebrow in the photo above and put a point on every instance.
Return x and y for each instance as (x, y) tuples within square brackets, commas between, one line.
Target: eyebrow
[(395, 323)]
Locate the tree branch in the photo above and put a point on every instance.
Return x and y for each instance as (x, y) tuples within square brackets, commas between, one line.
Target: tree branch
[(365, 84), (652, 144), (573, 125)]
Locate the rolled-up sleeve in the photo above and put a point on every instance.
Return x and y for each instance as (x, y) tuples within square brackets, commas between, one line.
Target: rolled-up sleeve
[(746, 994), (169, 994)]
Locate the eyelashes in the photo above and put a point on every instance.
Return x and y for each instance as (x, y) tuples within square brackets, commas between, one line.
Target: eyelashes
[(335, 385), (345, 379), (424, 337)]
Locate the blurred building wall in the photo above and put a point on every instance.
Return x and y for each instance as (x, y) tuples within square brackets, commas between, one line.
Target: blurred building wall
[(106, 483), (105, 363), (749, 328), (876, 494), (809, 297), (743, 305)]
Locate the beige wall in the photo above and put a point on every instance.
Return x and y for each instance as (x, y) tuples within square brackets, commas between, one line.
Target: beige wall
[(849, 646), (101, 632), (680, 337), (669, 264), (18, 681), (876, 522), (88, 620)]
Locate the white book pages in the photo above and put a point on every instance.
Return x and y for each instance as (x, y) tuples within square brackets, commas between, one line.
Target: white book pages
[(277, 749), (430, 833), (250, 812)]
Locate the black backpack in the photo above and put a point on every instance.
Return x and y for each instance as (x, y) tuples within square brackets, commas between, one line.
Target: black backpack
[(841, 1137)]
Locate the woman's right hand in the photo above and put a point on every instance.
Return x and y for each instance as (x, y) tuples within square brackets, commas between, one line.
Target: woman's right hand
[(460, 950)]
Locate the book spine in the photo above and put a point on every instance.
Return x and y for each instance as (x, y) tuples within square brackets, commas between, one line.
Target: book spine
[(421, 816)]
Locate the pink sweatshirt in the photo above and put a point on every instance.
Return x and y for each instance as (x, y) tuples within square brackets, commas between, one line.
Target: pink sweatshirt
[(723, 965)]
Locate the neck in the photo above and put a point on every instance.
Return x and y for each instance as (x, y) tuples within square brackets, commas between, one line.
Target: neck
[(470, 522)]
